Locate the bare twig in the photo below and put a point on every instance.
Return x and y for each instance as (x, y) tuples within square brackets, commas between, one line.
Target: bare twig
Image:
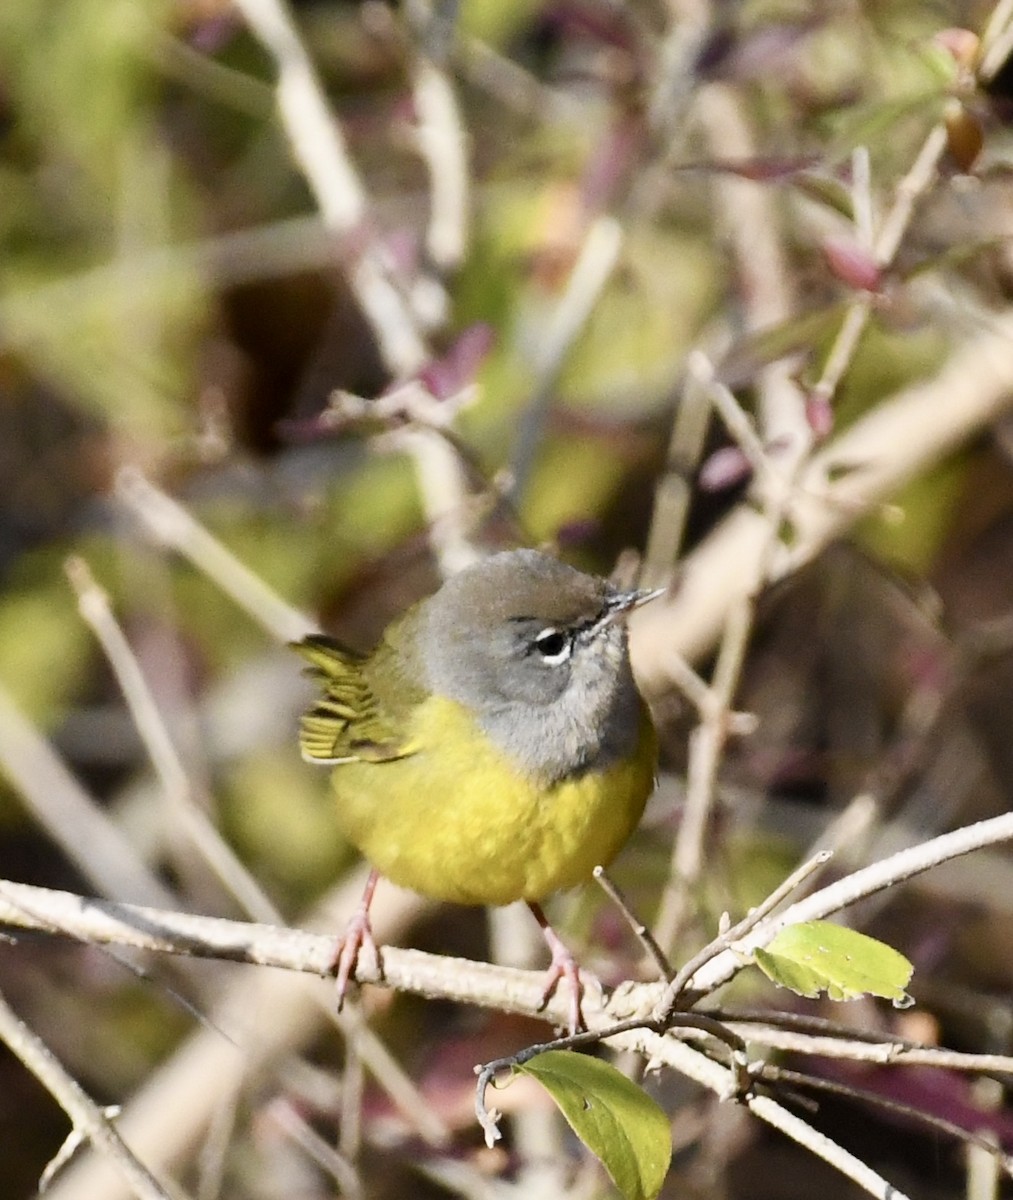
[(862, 200), (776, 1074), (751, 222), (915, 184), (996, 41), (88, 837), (893, 1053), (709, 738), (595, 263), (737, 421), (353, 1083), (857, 886), (320, 1151), (480, 983), (674, 490), (103, 922), (270, 1014), (23, 906), (640, 930), (443, 489), (320, 151), (94, 606), (720, 1080), (681, 979), (443, 144), (85, 1114), (244, 887), (864, 466), (169, 523), (686, 1021)]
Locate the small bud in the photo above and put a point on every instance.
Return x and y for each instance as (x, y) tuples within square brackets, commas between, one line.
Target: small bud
[(446, 376), (724, 469), (961, 44), (819, 415), (852, 264)]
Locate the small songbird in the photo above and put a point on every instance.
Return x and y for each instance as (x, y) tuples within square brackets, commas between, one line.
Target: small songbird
[(493, 747)]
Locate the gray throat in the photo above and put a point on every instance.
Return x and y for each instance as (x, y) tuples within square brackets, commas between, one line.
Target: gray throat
[(591, 725)]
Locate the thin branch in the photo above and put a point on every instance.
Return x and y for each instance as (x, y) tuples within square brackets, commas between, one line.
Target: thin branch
[(319, 149), (640, 930), (88, 1119), (102, 921), (97, 613), (857, 886), (846, 479), (997, 41), (737, 421), (472, 982), (862, 198), (269, 1015), (443, 144), (169, 523), (595, 263), (93, 842), (684, 1022), (316, 1148), (353, 1083), (909, 191), (776, 1074), (170, 932), (674, 490), (709, 739), (442, 477), (720, 1080), (882, 1052), (681, 979), (507, 989), (95, 610)]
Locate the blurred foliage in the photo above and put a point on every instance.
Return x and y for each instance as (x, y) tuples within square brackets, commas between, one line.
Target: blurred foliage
[(170, 301)]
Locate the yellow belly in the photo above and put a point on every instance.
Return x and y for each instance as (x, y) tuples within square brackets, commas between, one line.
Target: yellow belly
[(458, 822)]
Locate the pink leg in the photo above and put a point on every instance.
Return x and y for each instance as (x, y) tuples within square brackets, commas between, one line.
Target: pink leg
[(358, 933), (563, 966)]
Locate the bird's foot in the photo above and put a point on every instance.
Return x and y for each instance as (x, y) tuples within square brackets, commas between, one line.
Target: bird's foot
[(562, 967), (358, 933)]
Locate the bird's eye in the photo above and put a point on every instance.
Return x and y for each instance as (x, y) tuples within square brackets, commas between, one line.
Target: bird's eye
[(553, 645)]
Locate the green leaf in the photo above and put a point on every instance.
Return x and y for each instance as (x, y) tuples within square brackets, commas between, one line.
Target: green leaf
[(614, 1118), (821, 956)]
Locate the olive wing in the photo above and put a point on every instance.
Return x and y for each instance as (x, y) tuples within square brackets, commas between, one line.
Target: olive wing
[(357, 717)]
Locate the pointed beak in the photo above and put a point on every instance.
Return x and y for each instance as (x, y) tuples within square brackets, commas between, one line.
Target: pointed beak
[(625, 602)]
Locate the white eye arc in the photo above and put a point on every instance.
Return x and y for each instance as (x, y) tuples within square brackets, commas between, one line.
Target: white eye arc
[(554, 645)]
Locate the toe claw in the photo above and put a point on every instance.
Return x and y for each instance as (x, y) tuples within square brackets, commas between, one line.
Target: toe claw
[(358, 934), (562, 967)]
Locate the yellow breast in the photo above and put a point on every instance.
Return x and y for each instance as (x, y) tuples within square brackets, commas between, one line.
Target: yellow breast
[(459, 822)]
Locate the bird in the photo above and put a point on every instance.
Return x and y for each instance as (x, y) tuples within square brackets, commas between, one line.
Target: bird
[(492, 747)]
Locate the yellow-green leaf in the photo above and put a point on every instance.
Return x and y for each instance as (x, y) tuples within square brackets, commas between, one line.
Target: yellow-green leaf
[(820, 956), (612, 1116)]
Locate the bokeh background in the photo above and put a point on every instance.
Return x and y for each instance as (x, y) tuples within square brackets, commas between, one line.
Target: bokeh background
[(180, 304)]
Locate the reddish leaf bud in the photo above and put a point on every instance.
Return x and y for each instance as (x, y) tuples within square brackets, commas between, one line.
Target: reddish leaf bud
[(852, 264), (724, 469)]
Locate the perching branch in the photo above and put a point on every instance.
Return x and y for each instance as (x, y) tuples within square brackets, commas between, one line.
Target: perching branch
[(505, 989)]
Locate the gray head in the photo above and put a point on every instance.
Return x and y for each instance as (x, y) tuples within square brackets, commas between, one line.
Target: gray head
[(537, 650)]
